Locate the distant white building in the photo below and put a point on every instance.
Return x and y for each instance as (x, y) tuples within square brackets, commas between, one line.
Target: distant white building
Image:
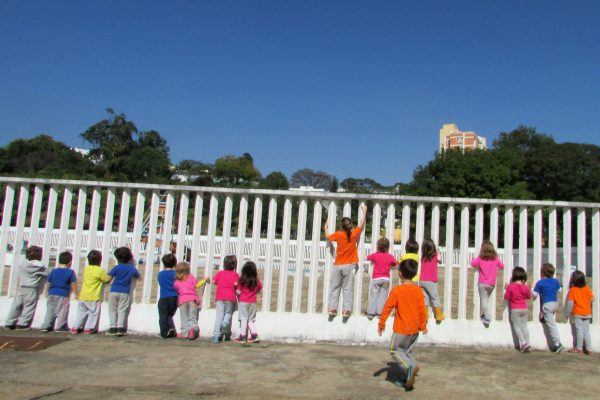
[(453, 138)]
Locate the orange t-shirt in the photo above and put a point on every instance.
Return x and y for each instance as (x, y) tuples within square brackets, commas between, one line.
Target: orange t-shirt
[(410, 317), (346, 249), (582, 300)]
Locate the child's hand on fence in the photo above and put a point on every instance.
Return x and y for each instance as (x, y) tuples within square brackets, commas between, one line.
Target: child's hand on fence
[(238, 292)]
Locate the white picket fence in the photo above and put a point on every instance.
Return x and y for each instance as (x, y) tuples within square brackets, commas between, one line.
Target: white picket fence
[(78, 216)]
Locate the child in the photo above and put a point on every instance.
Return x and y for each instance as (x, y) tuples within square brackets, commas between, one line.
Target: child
[(517, 293), (32, 274), (188, 300), (60, 283), (380, 280), (488, 264), (226, 281), (409, 319), (429, 278), (248, 288), (119, 299), (346, 260), (411, 251), (547, 288), (90, 297), (167, 302), (578, 309)]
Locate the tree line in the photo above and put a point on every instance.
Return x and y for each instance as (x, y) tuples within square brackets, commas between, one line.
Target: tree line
[(522, 164)]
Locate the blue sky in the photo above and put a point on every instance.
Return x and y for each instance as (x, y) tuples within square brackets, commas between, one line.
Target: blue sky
[(354, 88)]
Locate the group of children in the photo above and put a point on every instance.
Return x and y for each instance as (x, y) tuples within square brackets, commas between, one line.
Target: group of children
[(178, 290)]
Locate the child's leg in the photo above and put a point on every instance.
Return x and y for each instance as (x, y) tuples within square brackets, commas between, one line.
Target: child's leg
[(113, 307), (30, 300), (184, 317), (382, 295), (163, 316), (574, 332), (52, 304), (82, 315), (227, 317), (348, 286), (62, 313), (243, 314), (252, 319), (373, 297), (93, 309), (123, 308), (550, 329), (334, 288), (219, 315), (15, 309), (587, 338), (519, 319), (484, 293), (400, 349), (171, 310)]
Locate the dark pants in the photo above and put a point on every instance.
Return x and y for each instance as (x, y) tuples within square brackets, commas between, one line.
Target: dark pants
[(167, 306)]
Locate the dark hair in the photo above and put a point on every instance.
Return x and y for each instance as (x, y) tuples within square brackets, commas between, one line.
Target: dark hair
[(169, 260), (249, 276), (518, 275), (577, 279), (411, 246), (383, 245), (346, 226), (65, 258), (428, 250), (408, 268), (34, 253), (123, 255), (94, 257), (548, 270), (230, 263)]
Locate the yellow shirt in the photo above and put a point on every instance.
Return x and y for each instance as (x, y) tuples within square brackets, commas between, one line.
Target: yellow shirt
[(410, 256), (93, 278)]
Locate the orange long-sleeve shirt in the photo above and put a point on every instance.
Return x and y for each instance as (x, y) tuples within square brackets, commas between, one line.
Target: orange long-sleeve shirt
[(409, 302)]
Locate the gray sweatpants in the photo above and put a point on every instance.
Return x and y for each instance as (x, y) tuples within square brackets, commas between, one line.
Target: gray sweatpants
[(401, 350), (484, 299), (342, 278), (224, 312), (119, 305), (23, 307), (432, 296), (580, 328), (88, 315), (518, 323), (188, 314), (548, 312), (57, 313), (378, 293)]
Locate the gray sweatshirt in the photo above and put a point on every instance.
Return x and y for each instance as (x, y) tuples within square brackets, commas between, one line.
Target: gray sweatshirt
[(32, 273)]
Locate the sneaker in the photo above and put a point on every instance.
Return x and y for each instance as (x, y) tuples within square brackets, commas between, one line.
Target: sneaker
[(575, 351), (121, 332), (559, 348), (370, 316), (216, 339), (485, 321), (332, 312), (191, 334), (110, 332), (253, 339), (75, 331), (9, 327), (346, 313), (22, 328), (411, 374), (240, 339), (227, 338), (46, 330), (89, 331), (171, 334), (526, 348)]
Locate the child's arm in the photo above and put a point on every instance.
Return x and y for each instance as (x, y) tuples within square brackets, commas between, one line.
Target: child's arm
[(75, 290), (568, 309), (363, 219), (202, 282), (390, 304)]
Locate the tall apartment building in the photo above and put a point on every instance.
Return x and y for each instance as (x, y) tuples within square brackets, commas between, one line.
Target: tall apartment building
[(451, 138)]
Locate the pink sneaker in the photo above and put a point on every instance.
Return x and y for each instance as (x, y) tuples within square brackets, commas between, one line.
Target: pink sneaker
[(74, 331)]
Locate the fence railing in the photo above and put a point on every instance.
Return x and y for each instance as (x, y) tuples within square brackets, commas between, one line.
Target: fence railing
[(282, 232)]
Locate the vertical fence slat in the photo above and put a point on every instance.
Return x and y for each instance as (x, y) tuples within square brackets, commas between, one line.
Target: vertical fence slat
[(314, 257), (523, 226), (479, 226), (49, 229), (268, 272), (138, 224), (405, 225), (464, 259), (285, 254), (151, 247), (596, 265), (300, 237), (210, 246), (435, 224), (79, 220), (18, 244), (242, 221), (552, 253), (567, 262), (167, 227), (7, 211), (581, 240), (108, 222), (256, 227), (94, 217), (124, 217), (420, 227), (390, 225), (65, 216), (226, 230), (358, 276), (329, 256), (449, 261), (36, 213), (508, 248), (196, 232), (537, 252), (182, 227)]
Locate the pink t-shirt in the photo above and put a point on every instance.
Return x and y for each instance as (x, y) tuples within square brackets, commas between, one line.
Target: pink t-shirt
[(487, 269), (517, 295), (382, 263), (247, 295), (429, 269), (186, 290), (226, 282)]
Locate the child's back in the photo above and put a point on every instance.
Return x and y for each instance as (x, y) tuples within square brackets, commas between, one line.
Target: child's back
[(93, 279), (226, 281)]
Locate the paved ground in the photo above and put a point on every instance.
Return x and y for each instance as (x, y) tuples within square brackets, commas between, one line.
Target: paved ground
[(138, 367)]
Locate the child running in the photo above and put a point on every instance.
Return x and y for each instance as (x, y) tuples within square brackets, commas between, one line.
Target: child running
[(226, 281), (119, 300), (380, 280), (488, 265), (429, 277), (346, 259), (188, 300), (248, 288), (578, 310), (517, 293), (547, 289), (90, 297), (60, 283), (409, 318), (32, 274), (167, 302)]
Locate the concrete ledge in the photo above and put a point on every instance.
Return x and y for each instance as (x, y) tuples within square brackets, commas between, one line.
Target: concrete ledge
[(301, 327)]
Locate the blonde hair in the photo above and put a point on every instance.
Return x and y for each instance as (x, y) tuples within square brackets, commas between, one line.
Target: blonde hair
[(487, 252), (182, 270)]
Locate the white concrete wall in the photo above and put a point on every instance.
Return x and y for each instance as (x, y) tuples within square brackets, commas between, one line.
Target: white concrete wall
[(301, 327)]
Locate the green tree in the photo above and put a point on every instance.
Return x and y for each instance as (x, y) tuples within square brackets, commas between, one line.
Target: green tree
[(275, 180), (363, 185), (195, 172), (236, 171), (309, 177)]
